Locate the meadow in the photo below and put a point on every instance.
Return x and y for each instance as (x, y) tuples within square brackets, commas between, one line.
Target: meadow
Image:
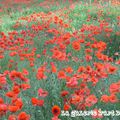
[(59, 57)]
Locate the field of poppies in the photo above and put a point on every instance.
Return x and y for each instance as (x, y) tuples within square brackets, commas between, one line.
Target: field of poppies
[(58, 59)]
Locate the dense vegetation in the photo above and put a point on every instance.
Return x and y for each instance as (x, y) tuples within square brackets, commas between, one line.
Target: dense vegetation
[(59, 56)]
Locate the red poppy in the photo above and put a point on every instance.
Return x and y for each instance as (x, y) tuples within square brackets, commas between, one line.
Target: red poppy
[(34, 101), (88, 58), (10, 94), (76, 99), (1, 100), (66, 107), (2, 80), (76, 45), (55, 118), (112, 69), (113, 98), (12, 117), (72, 83), (25, 86), (42, 93), (3, 108), (56, 110), (53, 67), (23, 116), (25, 72), (40, 102), (105, 98), (61, 74), (81, 69), (69, 69), (64, 93), (114, 88), (91, 100), (16, 89), (12, 108), (18, 102), (37, 102)]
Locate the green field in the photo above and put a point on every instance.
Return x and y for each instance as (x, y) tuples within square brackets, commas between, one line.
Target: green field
[(59, 56)]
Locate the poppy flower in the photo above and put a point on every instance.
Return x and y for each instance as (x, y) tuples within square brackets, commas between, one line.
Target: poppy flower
[(61, 75), (66, 107), (3, 107), (105, 98), (91, 100), (112, 69), (2, 80), (23, 116), (34, 101), (76, 99), (114, 88), (10, 94), (1, 100), (42, 93), (37, 102), (18, 102), (72, 83), (57, 54), (53, 67), (25, 72), (40, 73), (76, 45), (12, 108), (25, 86), (56, 110), (81, 69), (69, 69), (113, 98), (88, 58), (12, 117), (40, 102), (55, 118), (16, 90), (64, 93)]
